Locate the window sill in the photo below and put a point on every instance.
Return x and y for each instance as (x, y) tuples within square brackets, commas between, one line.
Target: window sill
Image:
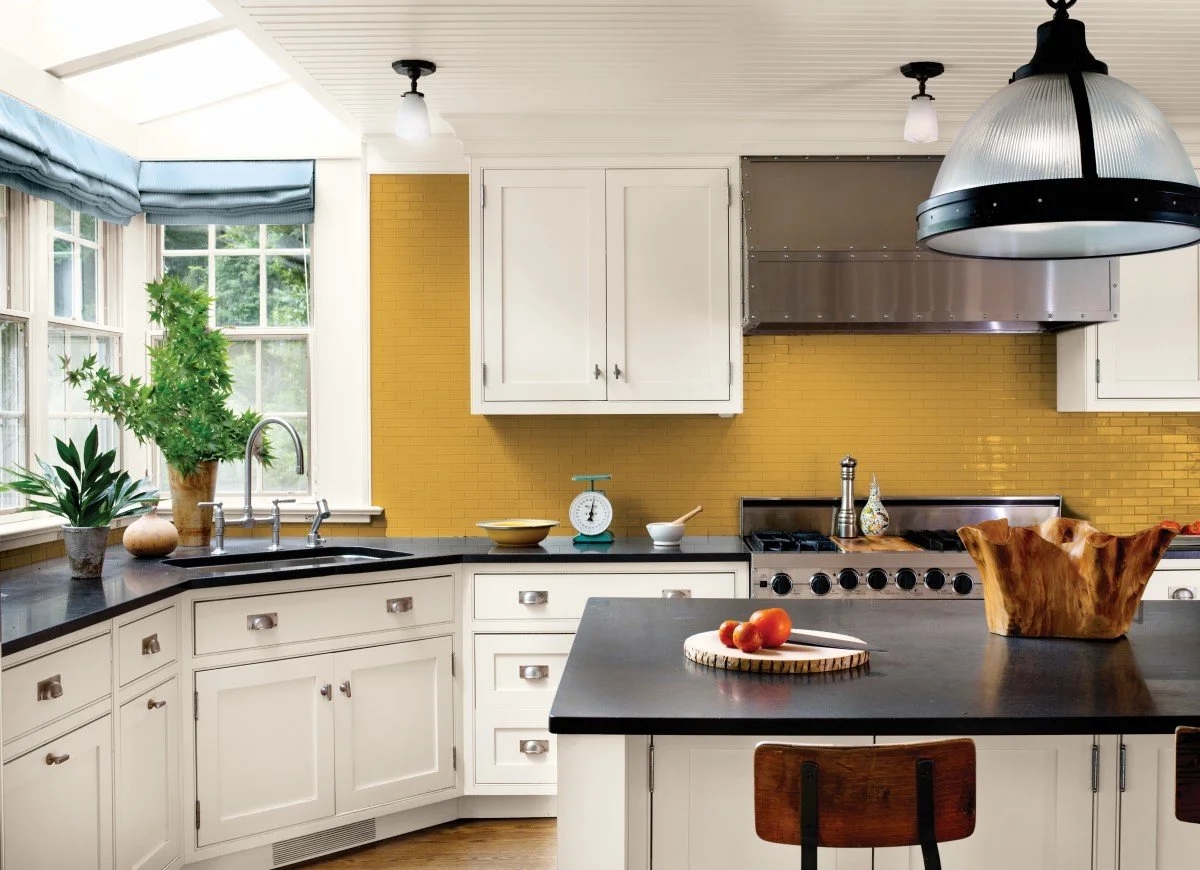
[(35, 528)]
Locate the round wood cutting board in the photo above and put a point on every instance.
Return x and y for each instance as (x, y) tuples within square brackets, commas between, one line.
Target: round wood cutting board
[(791, 658)]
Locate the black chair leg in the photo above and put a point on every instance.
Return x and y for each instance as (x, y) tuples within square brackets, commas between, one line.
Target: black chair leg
[(809, 816), (925, 817)]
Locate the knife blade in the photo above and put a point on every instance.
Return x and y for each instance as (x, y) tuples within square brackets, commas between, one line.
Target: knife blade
[(830, 640)]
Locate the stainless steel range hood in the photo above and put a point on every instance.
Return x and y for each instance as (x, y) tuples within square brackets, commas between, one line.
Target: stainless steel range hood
[(830, 246)]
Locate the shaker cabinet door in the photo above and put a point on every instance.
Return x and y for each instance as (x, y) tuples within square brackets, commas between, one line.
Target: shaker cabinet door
[(148, 800), (1151, 838)]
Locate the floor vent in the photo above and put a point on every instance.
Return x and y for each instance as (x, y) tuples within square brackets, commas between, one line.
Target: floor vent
[(344, 837)]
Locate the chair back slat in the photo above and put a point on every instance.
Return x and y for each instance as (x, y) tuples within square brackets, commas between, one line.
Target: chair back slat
[(1187, 774), (867, 795)]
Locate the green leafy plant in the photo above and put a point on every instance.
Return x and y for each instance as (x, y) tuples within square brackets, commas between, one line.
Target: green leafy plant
[(183, 408), (85, 491)]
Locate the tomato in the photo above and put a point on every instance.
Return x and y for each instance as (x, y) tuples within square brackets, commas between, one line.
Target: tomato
[(1170, 524), (775, 625), (725, 632), (747, 637), (1192, 528)]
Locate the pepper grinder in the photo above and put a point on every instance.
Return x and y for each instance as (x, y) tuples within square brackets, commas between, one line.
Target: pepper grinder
[(845, 524)]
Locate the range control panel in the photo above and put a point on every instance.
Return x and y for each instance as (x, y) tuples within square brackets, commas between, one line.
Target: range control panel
[(945, 582)]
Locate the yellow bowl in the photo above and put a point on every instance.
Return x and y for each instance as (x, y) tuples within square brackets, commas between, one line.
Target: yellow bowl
[(517, 533)]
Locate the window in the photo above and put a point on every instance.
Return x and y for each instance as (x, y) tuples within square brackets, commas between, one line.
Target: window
[(12, 370), (260, 280)]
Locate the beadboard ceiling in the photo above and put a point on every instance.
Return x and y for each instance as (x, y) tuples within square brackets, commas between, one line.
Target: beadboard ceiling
[(707, 67)]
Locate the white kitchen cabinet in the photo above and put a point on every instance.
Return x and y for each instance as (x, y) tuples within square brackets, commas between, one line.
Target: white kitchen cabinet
[(58, 803), (1149, 359), (1171, 581), (394, 722), (1151, 838), (1033, 807), (605, 291), (703, 809), (148, 793), (264, 746)]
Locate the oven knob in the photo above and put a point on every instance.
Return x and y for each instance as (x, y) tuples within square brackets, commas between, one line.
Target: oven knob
[(877, 579), (781, 584), (935, 579), (963, 584), (819, 583), (848, 579), (906, 579)]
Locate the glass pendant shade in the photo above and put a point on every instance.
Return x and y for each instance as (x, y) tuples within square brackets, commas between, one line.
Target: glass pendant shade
[(412, 118), (921, 125), (1059, 165)]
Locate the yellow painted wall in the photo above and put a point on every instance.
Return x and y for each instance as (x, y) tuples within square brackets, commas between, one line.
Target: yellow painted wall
[(929, 415)]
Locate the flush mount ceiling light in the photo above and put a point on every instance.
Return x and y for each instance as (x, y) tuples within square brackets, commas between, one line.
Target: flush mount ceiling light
[(1065, 162), (921, 125), (412, 118)]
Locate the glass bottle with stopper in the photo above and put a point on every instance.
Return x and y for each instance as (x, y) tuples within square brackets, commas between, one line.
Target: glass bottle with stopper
[(591, 512)]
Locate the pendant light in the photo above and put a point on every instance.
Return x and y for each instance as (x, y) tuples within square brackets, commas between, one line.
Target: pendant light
[(1065, 162), (921, 125), (412, 118)]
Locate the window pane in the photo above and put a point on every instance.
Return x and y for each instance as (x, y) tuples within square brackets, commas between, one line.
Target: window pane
[(237, 291), (281, 476), (243, 366), (69, 412), (56, 349), (285, 376), (62, 219), (193, 271), (87, 227), (91, 297), (237, 236), (287, 236), (12, 406), (185, 238), (63, 284), (287, 290)]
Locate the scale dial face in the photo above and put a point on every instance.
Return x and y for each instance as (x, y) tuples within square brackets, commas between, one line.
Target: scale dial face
[(591, 513)]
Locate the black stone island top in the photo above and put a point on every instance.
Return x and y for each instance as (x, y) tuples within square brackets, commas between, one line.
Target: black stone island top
[(40, 602), (943, 674)]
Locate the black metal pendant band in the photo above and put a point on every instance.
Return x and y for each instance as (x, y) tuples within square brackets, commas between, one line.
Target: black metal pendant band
[(1083, 119)]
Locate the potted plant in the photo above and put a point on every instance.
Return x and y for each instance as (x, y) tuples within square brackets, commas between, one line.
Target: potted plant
[(88, 494), (183, 407)]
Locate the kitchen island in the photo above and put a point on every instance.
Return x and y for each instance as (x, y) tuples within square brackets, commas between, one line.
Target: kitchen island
[(1073, 736)]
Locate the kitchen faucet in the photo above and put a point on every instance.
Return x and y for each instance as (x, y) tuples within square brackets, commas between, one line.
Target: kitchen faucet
[(314, 533), (248, 509)]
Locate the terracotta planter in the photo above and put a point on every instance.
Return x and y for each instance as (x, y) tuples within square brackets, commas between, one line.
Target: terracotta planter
[(194, 523), (85, 550)]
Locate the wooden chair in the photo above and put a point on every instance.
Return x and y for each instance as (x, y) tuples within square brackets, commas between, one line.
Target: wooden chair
[(909, 794), (1187, 774)]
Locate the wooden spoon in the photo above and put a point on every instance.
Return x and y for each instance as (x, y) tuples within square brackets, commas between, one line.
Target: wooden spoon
[(683, 519)]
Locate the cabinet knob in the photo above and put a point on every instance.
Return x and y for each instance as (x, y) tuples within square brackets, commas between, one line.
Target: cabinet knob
[(327, 691), (533, 597), (51, 758), (597, 373), (262, 621), (150, 645), (677, 593), (535, 747), (534, 672), (344, 688), (151, 704), (399, 605), (50, 688)]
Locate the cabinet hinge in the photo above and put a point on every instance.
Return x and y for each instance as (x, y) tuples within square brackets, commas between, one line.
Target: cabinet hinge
[(1122, 774), (452, 669), (1095, 768), (731, 373), (197, 815), (1097, 369), (196, 706), (729, 195), (482, 195), (650, 770), (454, 757), (483, 369)]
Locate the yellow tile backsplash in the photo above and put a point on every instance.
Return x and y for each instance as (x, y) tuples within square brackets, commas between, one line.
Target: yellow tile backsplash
[(956, 415)]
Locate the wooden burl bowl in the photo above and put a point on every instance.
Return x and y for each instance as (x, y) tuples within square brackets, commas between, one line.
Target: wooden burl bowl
[(1063, 578)]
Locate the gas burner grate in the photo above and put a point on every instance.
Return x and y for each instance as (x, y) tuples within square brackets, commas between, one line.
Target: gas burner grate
[(790, 542), (936, 540)]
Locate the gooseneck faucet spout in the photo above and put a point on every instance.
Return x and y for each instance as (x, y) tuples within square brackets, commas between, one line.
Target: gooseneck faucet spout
[(248, 508)]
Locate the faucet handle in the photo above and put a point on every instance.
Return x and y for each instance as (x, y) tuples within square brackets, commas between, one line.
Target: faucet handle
[(218, 510), (278, 501)]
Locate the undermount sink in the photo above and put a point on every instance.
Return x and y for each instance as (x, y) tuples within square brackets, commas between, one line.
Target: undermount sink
[(252, 563)]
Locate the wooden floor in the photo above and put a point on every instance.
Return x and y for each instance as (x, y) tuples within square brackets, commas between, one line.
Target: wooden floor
[(468, 844)]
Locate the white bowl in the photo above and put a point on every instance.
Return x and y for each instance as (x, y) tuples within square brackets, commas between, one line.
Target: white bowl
[(665, 534)]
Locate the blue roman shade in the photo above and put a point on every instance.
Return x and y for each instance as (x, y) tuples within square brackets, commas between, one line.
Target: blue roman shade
[(46, 158), (228, 192)]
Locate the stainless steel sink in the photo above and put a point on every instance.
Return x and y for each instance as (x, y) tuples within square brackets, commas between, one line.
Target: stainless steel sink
[(282, 560)]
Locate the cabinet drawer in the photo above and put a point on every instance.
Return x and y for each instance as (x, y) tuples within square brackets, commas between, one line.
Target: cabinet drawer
[(519, 671), (562, 596), (52, 686), (147, 644), (515, 747), (269, 620)]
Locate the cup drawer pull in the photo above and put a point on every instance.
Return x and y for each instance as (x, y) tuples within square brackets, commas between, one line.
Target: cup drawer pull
[(534, 672), (262, 621), (50, 688), (533, 597), (535, 747), (150, 645), (399, 605), (677, 593), (51, 758)]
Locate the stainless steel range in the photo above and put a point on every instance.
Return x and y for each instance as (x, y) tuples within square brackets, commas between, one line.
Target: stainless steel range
[(794, 552)]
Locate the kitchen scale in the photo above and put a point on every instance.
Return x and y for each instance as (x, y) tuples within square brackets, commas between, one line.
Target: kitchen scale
[(591, 512)]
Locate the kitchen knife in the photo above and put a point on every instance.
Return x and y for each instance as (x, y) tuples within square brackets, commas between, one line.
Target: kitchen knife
[(830, 640)]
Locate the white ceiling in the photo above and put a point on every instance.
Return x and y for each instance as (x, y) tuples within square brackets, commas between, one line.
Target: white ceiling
[(708, 64)]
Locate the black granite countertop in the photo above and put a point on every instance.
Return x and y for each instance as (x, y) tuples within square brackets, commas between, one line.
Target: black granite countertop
[(40, 602), (943, 674)]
